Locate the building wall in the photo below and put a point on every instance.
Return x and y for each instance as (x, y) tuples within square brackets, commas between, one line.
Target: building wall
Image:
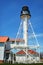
[(12, 44), (8, 45), (1, 52), (30, 58), (20, 59), (23, 58)]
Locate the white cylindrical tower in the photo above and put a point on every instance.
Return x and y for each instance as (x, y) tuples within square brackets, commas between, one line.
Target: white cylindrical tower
[(25, 15)]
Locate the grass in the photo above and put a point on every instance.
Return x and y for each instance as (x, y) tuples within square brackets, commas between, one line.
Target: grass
[(22, 64)]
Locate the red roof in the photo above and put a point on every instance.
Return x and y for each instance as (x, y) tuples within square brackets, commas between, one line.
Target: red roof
[(3, 38), (21, 52), (32, 52), (17, 40), (29, 51)]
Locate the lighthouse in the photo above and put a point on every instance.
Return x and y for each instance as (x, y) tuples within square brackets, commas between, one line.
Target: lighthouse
[(25, 16)]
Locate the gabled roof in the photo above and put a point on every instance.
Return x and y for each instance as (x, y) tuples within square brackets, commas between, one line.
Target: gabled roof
[(29, 52), (21, 52), (3, 38), (32, 52)]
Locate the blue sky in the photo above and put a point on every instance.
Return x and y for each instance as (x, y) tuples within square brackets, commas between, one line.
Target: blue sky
[(10, 16)]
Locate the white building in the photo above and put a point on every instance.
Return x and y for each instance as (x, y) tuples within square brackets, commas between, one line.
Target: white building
[(32, 57), (20, 56), (3, 41)]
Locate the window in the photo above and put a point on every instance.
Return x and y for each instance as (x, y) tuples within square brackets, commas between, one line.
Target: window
[(17, 43)]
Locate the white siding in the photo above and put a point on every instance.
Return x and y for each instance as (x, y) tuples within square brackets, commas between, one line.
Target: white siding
[(12, 45), (20, 59), (7, 45), (29, 59), (1, 51)]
